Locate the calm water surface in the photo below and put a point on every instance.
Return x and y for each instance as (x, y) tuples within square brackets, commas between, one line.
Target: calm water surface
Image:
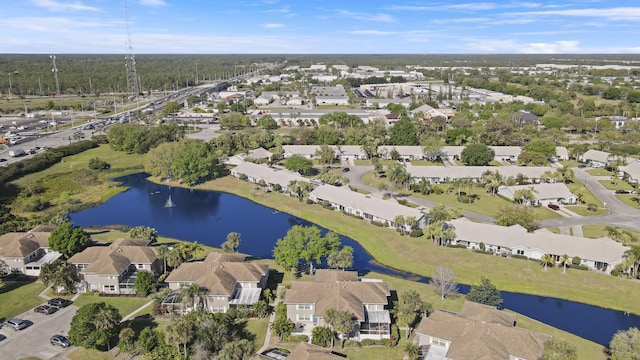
[(207, 217)]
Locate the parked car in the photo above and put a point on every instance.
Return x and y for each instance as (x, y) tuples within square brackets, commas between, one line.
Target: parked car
[(60, 340), (553, 207), (624, 192), (15, 323), (59, 303), (345, 169), (45, 309)]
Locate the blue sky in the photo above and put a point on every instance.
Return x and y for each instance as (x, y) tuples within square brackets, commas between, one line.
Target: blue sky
[(309, 26)]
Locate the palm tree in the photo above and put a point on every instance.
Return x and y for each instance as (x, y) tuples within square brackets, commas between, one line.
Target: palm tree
[(411, 350), (163, 251), (399, 222), (192, 295), (564, 260), (546, 260)]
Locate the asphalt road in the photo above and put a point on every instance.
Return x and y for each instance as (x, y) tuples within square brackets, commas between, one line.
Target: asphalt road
[(34, 340)]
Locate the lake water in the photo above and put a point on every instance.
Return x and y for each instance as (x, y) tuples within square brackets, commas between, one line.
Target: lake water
[(207, 217)]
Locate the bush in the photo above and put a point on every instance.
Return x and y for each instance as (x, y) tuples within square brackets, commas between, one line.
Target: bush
[(309, 201), (369, 342), (456, 246), (519, 257), (386, 342), (592, 207), (416, 233), (437, 190), (576, 260), (377, 223), (351, 343), (36, 205), (615, 272), (97, 164), (395, 334), (297, 338), (483, 252)]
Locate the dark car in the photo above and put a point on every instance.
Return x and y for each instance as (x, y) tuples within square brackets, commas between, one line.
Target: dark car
[(59, 303), (45, 309), (554, 207), (623, 192), (345, 170), (60, 340)]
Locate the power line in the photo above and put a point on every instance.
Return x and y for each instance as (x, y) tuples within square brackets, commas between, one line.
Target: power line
[(130, 58)]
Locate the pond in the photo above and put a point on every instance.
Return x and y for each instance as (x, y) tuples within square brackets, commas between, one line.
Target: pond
[(208, 216)]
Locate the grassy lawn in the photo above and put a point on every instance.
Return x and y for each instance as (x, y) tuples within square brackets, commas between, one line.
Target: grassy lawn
[(583, 211), (360, 191), (631, 200), (125, 305), (426, 163), (589, 197), (597, 231), (419, 256), (89, 354), (495, 163), (17, 298), (258, 327), (570, 163), (616, 184), (71, 185), (599, 172)]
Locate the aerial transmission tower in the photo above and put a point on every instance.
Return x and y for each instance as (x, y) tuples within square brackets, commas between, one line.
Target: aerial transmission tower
[(132, 76), (55, 73)]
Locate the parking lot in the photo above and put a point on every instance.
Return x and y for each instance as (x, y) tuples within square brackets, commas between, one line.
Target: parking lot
[(34, 340)]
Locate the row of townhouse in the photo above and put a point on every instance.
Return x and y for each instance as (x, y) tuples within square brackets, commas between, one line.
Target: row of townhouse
[(597, 158), (545, 193), (601, 254), (368, 207), (283, 115), (26, 252), (441, 174), (477, 332), (448, 153)]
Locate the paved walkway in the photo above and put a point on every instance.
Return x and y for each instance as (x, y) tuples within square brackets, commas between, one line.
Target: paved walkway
[(267, 336), (136, 311)]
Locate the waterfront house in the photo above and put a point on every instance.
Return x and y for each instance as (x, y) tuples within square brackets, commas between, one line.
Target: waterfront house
[(266, 175), (366, 299), (26, 252), (477, 332), (226, 279)]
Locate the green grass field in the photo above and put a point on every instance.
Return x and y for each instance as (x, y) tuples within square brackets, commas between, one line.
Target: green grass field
[(597, 231), (16, 298), (616, 184), (631, 200), (599, 172), (125, 305)]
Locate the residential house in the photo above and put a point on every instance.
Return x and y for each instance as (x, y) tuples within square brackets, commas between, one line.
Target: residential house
[(524, 117), (350, 152), (368, 207), (601, 254), (366, 299), (502, 153), (308, 151), (477, 332), (26, 252), (259, 154), (545, 193), (266, 175), (112, 269), (226, 279), (631, 171), (404, 152), (562, 153), (596, 158), (440, 174)]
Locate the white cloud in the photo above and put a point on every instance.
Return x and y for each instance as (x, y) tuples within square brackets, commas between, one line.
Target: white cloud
[(153, 2), (272, 26), (372, 32), (613, 14), (53, 5), (461, 20), (513, 46), (464, 7), (366, 16)]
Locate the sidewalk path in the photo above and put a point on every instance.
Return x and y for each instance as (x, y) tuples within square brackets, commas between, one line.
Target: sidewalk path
[(134, 312), (267, 336)]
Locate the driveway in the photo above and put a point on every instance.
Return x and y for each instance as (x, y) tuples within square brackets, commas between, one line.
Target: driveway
[(34, 340)]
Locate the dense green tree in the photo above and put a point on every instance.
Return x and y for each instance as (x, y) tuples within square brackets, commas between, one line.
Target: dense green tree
[(633, 97), (144, 283), (326, 154), (59, 274), (477, 155), (542, 146), (94, 325), (342, 258), (68, 239), (398, 175), (139, 139), (194, 162), (236, 350), (458, 136), (612, 93), (238, 107), (403, 132), (552, 122), (340, 119), (96, 164), (171, 107), (532, 158), (298, 163), (412, 350), (485, 293), (516, 214), (159, 160), (625, 345), (281, 325), (149, 339), (556, 349), (498, 132), (144, 232), (432, 148), (234, 121), (304, 243), (232, 242), (267, 122)]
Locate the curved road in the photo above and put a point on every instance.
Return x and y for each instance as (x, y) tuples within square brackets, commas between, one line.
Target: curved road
[(620, 214)]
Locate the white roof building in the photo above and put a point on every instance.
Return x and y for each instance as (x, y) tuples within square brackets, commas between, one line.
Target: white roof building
[(545, 193), (601, 254), (259, 172)]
